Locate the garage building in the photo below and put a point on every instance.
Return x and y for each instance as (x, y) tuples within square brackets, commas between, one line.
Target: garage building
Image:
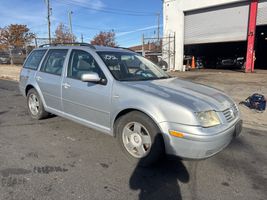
[(204, 27)]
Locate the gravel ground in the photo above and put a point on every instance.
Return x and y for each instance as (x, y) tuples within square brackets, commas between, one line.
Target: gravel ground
[(238, 85), (10, 72), (59, 159)]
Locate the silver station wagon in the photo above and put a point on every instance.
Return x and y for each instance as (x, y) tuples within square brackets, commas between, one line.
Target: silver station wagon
[(121, 93)]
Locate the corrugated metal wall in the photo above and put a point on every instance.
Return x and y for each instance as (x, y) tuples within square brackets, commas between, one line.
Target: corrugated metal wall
[(218, 24), (262, 13)]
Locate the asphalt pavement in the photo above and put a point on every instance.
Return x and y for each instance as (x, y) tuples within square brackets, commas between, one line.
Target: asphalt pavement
[(58, 159)]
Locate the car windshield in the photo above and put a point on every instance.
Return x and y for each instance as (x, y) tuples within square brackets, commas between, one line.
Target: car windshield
[(127, 66)]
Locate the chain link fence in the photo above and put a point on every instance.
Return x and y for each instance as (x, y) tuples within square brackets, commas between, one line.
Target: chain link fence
[(17, 55), (160, 51)]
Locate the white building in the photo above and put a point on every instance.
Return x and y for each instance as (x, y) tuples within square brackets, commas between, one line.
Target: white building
[(207, 21)]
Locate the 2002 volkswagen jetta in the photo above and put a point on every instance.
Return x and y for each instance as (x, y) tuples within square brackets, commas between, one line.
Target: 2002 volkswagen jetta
[(121, 93)]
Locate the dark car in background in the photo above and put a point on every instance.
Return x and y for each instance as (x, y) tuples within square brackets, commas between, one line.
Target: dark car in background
[(4, 58), (158, 60), (18, 56), (230, 62)]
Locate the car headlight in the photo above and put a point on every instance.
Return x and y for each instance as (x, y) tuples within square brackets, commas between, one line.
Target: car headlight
[(208, 118)]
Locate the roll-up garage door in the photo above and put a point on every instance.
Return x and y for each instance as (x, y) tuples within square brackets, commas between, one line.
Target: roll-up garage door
[(262, 13), (219, 24)]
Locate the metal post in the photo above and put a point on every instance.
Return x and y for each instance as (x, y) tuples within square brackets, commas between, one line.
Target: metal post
[(35, 40), (169, 51), (158, 32), (143, 45), (251, 35), (70, 26), (158, 14), (26, 47), (174, 50), (82, 38), (10, 54)]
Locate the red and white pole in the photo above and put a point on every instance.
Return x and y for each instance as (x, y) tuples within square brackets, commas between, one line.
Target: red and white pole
[(251, 35)]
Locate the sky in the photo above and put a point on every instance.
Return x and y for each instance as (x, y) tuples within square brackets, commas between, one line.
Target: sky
[(128, 18)]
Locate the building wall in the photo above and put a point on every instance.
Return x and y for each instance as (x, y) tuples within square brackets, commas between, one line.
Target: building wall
[(173, 22)]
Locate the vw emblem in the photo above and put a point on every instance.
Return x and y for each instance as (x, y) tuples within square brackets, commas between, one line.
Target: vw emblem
[(232, 113)]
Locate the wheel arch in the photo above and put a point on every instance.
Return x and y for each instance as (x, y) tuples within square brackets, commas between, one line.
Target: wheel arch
[(31, 86), (27, 89), (128, 110)]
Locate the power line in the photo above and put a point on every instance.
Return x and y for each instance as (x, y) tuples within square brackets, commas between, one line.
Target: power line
[(107, 29), (34, 26), (115, 9), (110, 10), (120, 34), (130, 39), (89, 28)]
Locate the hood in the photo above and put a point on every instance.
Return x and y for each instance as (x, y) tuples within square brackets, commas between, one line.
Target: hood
[(196, 97)]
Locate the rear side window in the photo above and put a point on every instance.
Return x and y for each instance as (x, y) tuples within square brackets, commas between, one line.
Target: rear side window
[(54, 61), (34, 59)]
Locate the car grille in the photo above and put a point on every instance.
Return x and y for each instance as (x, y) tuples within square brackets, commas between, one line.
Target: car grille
[(230, 113)]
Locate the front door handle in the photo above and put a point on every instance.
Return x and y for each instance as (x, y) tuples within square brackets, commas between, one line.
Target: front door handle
[(66, 85)]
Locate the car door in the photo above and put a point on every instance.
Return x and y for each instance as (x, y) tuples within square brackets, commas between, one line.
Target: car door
[(85, 101), (49, 77)]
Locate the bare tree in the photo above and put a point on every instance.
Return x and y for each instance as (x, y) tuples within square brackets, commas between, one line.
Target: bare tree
[(15, 36), (63, 34), (105, 39)]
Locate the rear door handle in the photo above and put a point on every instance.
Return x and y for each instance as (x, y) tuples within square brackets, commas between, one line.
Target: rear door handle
[(38, 78), (66, 85)]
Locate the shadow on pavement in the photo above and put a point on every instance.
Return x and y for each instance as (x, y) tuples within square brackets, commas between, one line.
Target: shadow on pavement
[(160, 181)]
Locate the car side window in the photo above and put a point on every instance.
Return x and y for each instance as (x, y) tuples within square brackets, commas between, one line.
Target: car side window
[(54, 61), (82, 62), (34, 59)]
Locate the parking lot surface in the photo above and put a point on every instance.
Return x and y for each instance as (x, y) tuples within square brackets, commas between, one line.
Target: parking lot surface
[(59, 159)]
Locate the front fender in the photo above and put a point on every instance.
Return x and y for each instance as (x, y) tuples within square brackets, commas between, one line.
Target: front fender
[(148, 109)]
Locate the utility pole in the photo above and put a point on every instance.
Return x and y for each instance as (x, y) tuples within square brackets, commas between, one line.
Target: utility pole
[(158, 14), (82, 38), (48, 19), (10, 53), (35, 40), (70, 25)]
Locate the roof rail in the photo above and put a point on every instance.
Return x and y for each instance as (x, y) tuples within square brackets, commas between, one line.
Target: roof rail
[(68, 44), (124, 48)]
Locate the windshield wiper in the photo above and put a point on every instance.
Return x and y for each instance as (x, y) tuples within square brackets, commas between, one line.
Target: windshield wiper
[(164, 77), (145, 79)]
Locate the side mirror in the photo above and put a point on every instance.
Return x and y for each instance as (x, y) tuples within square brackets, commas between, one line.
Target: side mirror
[(91, 77)]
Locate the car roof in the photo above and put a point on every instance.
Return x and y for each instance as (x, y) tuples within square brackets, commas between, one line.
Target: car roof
[(96, 48)]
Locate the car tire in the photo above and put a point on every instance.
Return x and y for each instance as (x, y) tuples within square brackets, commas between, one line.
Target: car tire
[(163, 65), (35, 105), (139, 138)]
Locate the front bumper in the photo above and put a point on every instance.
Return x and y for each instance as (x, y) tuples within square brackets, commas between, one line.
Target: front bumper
[(198, 142)]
